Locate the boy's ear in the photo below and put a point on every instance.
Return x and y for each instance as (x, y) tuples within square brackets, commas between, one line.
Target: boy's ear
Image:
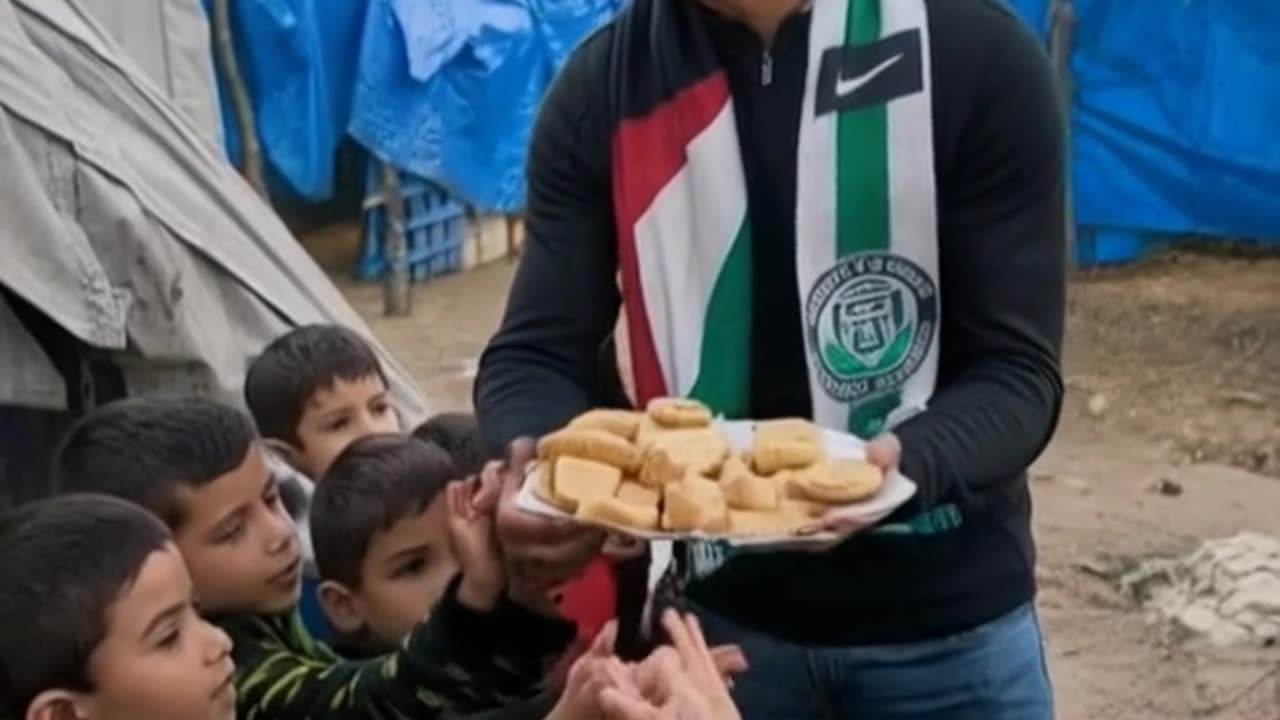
[(285, 451), (339, 605), (56, 705)]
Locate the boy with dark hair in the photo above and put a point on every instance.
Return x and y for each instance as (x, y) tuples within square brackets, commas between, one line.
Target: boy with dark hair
[(459, 434), (380, 528), (197, 465), (98, 619), (200, 463), (315, 389)]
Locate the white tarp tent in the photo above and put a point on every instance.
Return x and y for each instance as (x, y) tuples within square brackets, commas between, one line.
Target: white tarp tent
[(125, 225), (169, 40)]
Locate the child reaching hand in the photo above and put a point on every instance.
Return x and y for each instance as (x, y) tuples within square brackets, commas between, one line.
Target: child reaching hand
[(682, 681)]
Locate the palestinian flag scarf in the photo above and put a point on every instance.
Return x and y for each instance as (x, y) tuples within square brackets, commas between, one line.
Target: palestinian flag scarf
[(866, 219)]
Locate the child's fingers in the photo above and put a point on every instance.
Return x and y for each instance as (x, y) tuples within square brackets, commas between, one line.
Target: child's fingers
[(699, 645), (604, 641), (488, 490), (729, 660), (653, 674), (678, 633), (622, 676), (619, 705), (453, 499)]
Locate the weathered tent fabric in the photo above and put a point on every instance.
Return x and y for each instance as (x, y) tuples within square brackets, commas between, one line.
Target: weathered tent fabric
[(169, 40), (126, 227), (27, 378)]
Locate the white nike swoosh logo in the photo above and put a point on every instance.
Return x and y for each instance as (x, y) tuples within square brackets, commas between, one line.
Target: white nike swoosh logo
[(847, 86)]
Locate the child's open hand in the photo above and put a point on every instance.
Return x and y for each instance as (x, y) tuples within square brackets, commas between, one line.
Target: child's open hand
[(686, 681), (590, 674), (474, 542)]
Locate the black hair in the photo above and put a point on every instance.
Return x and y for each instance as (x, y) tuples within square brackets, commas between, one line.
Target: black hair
[(459, 434), (283, 379), (146, 450), (65, 562), (376, 481)]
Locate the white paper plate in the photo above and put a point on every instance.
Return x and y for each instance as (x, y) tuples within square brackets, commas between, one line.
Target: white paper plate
[(896, 491)]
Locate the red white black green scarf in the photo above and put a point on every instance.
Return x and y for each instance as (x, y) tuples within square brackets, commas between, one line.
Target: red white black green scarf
[(866, 217)]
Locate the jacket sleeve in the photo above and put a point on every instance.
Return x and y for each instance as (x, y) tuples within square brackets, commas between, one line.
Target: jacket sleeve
[(1002, 262), (544, 364), (458, 661)]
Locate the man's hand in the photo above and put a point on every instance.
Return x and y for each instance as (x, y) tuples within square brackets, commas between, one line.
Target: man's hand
[(471, 530), (884, 451), (541, 552)]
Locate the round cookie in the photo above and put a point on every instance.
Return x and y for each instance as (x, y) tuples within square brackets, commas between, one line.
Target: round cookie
[(678, 413)]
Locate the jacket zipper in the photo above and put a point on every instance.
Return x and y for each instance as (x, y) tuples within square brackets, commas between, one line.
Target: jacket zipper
[(766, 68)]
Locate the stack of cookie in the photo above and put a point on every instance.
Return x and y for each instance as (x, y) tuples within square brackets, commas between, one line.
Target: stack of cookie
[(670, 469)]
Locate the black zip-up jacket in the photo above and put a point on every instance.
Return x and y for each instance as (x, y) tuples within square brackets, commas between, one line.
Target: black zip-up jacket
[(999, 143)]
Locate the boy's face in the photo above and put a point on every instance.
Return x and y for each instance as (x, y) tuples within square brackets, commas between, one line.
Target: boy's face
[(338, 415), (239, 543), (159, 659), (404, 573)]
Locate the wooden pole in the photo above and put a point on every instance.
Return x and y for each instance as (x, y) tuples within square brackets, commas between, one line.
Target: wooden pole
[(1062, 23), (397, 288), (225, 53)]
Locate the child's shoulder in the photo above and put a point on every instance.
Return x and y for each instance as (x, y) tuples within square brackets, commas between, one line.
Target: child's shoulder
[(256, 635)]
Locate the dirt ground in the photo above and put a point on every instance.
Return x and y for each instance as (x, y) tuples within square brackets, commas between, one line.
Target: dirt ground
[(1173, 375)]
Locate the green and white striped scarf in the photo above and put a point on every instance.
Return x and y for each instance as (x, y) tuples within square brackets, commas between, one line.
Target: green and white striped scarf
[(866, 228)]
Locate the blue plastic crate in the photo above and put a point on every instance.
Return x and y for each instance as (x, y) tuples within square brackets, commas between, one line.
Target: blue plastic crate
[(435, 233)]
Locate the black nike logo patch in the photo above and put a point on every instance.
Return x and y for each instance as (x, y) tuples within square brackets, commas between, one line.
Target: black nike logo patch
[(855, 76)]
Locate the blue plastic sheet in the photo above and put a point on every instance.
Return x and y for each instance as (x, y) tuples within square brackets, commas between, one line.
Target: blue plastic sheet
[(1173, 113), (448, 89), (1174, 116), (296, 57)]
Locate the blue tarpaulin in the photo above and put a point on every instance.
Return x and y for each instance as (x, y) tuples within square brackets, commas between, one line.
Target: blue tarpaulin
[(448, 89), (297, 59), (1174, 116), (1174, 107)]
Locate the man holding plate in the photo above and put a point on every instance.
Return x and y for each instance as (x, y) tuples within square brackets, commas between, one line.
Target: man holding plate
[(843, 210)]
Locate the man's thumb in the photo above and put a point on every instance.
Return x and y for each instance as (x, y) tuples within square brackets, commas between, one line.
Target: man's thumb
[(884, 451), (519, 455)]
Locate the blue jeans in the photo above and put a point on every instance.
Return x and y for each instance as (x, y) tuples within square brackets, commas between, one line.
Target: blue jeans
[(994, 672)]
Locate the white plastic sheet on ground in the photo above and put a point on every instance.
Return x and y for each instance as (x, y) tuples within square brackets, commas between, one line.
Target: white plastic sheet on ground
[(1227, 590)]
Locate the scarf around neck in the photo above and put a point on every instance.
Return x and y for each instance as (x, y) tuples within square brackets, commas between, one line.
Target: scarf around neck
[(866, 215)]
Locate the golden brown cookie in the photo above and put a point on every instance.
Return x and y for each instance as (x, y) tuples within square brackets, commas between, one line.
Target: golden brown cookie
[(637, 494), (693, 504), (839, 482), (591, 444), (623, 423), (542, 487), (734, 467), (751, 492), (678, 413), (785, 445), (702, 450), (754, 522), (648, 430), (804, 508), (658, 469), (614, 512), (577, 479)]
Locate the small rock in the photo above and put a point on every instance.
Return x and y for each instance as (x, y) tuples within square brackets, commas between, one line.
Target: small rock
[(1097, 405), (1244, 397), (1165, 486), (1080, 485)]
